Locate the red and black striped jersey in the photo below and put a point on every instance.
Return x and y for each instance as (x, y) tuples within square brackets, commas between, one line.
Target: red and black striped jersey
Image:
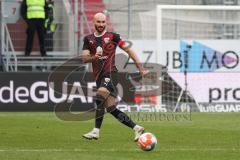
[(107, 43)]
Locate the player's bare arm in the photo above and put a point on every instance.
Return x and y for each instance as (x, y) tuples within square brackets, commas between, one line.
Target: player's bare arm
[(87, 58), (134, 57)]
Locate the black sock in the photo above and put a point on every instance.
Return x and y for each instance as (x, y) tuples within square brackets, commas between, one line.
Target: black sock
[(99, 118), (122, 117), (99, 112)]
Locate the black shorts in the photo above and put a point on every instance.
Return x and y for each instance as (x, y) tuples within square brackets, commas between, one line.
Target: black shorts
[(108, 81)]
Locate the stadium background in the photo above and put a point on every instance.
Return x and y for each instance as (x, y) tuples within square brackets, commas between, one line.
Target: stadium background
[(190, 46), (211, 34)]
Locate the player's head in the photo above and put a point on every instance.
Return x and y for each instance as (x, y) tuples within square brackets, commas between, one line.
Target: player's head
[(100, 22)]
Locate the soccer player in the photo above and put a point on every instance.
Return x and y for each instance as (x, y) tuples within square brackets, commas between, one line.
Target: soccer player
[(99, 49)]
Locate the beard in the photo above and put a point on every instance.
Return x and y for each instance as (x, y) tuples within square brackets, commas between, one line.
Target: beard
[(100, 29)]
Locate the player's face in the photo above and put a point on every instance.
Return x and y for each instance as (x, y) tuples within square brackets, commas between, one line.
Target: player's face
[(100, 24)]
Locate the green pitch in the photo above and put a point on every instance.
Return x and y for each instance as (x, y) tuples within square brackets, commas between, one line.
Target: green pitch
[(41, 136)]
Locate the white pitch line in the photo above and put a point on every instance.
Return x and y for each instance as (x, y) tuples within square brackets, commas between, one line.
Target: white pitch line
[(43, 150), (115, 150)]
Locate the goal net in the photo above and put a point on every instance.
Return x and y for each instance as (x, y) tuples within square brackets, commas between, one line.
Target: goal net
[(191, 22), (198, 45)]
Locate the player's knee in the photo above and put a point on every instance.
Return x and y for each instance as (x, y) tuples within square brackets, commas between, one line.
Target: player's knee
[(111, 101), (111, 108), (103, 92)]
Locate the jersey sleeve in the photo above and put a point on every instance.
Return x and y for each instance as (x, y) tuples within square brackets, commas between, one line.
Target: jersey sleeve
[(85, 44), (118, 40)]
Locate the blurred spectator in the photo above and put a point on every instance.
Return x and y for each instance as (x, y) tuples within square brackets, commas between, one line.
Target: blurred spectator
[(50, 25), (1, 37), (33, 12)]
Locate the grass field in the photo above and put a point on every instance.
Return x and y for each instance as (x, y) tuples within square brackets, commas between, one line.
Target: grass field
[(41, 136)]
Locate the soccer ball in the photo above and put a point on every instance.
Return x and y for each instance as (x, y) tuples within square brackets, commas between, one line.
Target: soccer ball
[(147, 141)]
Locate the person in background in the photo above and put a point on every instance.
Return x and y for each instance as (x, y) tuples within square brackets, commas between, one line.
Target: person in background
[(50, 25), (34, 13), (0, 41)]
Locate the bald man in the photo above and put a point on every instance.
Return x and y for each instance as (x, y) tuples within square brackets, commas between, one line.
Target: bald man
[(99, 49)]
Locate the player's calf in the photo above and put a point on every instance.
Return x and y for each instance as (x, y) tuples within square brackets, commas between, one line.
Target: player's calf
[(100, 111), (125, 119), (121, 116)]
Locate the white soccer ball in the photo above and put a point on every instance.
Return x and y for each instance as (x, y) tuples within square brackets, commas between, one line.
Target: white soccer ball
[(147, 141)]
